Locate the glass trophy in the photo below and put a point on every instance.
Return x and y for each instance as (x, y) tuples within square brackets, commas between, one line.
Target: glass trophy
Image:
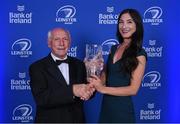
[(94, 60)]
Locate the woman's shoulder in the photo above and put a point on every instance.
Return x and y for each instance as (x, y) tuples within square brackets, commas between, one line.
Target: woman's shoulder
[(142, 52), (113, 48)]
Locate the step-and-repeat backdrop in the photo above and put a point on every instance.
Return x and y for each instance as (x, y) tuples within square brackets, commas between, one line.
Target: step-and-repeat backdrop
[(23, 35)]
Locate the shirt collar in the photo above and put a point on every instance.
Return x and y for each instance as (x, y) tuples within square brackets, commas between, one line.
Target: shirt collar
[(56, 58)]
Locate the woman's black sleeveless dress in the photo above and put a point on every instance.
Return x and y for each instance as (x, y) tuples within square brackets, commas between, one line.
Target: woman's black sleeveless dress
[(117, 109)]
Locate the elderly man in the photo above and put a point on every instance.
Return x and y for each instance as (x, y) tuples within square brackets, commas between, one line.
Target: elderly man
[(58, 82)]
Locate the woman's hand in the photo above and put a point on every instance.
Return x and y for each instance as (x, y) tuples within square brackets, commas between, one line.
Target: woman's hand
[(97, 83)]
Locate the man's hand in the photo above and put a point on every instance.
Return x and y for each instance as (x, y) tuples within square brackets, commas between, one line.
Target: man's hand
[(84, 91)]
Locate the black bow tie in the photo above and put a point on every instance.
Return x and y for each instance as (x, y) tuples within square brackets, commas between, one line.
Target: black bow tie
[(58, 62)]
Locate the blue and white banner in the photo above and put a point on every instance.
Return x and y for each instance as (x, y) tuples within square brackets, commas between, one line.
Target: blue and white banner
[(24, 26)]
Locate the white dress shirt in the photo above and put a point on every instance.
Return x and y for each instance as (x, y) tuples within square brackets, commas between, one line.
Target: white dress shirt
[(63, 67)]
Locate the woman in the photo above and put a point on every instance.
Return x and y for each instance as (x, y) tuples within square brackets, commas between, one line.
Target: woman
[(125, 70)]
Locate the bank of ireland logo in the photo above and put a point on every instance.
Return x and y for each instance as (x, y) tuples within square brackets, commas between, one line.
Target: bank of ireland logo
[(110, 9), (20, 83), (22, 113), (150, 113), (66, 14), (22, 75), (150, 105), (73, 51), (153, 15), (106, 45), (21, 47), (20, 8), (20, 16), (151, 80)]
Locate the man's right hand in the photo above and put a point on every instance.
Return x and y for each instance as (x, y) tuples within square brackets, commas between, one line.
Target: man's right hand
[(84, 91)]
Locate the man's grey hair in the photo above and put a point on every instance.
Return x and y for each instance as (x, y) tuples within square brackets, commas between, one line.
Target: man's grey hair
[(50, 33)]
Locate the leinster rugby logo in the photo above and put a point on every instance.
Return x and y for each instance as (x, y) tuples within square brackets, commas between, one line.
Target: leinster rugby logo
[(21, 47), (22, 113), (151, 80), (106, 45), (153, 15), (66, 14), (21, 44)]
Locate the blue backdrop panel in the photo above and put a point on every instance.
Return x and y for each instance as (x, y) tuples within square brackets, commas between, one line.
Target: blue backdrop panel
[(24, 26)]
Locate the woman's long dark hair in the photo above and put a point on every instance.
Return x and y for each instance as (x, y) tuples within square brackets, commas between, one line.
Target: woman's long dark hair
[(129, 60)]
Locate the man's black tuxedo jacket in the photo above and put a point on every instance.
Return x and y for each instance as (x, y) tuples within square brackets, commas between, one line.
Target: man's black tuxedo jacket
[(54, 98)]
